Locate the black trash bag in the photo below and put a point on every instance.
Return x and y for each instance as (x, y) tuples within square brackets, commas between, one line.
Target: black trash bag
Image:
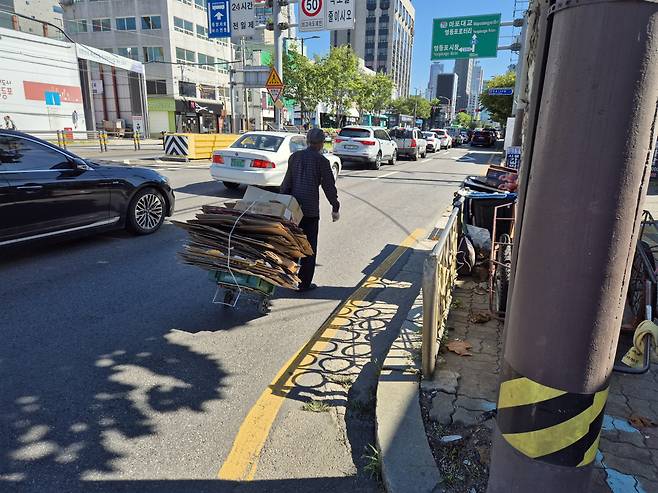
[(465, 256)]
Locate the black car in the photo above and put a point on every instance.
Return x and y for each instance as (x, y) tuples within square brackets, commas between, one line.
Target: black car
[(483, 138), (46, 191)]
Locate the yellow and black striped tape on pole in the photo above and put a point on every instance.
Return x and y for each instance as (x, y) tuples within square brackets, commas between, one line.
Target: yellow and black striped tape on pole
[(548, 424)]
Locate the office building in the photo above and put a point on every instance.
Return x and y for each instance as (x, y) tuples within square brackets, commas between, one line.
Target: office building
[(446, 92), (186, 82), (477, 83), (387, 41), (435, 69), (40, 10), (464, 70)]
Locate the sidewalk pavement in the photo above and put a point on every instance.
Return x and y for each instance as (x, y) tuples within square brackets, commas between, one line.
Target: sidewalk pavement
[(448, 419)]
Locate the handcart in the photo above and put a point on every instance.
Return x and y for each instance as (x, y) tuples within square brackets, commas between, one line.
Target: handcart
[(236, 285)]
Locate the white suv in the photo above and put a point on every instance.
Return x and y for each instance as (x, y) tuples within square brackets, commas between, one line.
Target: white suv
[(365, 144)]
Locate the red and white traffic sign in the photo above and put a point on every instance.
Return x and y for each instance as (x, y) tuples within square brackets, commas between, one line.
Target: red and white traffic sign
[(312, 15)]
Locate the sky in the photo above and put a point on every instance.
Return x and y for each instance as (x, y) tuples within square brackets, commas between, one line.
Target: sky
[(426, 11)]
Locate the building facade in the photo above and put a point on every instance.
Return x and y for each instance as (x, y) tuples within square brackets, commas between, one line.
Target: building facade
[(435, 69), (187, 74), (39, 10), (477, 83), (384, 38), (464, 70), (446, 92)]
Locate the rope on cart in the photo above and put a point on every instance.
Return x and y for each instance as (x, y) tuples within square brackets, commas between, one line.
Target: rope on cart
[(228, 259)]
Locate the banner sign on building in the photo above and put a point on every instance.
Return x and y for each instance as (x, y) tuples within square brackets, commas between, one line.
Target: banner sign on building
[(243, 18), (466, 37), (219, 19)]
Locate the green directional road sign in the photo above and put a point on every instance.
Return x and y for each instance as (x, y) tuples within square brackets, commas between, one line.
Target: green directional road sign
[(466, 37)]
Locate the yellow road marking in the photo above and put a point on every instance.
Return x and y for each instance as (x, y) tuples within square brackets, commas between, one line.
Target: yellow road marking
[(242, 460)]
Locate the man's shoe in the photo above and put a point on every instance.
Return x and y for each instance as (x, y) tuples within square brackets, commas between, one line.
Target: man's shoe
[(310, 287)]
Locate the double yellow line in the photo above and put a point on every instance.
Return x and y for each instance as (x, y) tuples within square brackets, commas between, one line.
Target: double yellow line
[(242, 460)]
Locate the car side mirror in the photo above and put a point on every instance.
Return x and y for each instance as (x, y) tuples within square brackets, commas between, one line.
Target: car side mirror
[(80, 164)]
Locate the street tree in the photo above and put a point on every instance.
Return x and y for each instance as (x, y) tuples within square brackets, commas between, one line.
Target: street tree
[(372, 93), (303, 83), (411, 105), (464, 119), (383, 89), (338, 70), (499, 107)]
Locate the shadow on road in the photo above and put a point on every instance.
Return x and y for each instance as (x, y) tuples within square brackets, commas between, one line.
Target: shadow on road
[(211, 189), (481, 156)]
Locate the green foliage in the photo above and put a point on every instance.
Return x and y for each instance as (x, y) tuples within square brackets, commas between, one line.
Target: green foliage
[(314, 406), (499, 107), (464, 119), (411, 105), (339, 70), (302, 80), (373, 461)]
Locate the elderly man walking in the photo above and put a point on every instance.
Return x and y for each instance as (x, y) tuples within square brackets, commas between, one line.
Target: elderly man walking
[(308, 170)]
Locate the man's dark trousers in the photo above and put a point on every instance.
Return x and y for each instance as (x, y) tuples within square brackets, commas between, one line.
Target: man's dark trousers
[(310, 226)]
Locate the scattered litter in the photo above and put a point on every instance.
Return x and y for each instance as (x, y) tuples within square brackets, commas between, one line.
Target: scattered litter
[(451, 438), (460, 347), (467, 462), (479, 318), (641, 421)]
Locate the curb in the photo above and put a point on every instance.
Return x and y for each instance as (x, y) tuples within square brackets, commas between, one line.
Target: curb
[(406, 459)]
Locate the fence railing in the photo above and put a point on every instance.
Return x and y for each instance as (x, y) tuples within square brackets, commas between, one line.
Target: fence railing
[(90, 138), (439, 276)]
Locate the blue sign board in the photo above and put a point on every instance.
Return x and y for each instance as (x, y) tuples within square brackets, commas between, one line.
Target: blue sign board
[(501, 91), (219, 18), (53, 98)]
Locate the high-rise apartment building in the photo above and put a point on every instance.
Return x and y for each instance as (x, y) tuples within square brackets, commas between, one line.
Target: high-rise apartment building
[(435, 69), (464, 70), (383, 37), (477, 83), (446, 92), (186, 83)]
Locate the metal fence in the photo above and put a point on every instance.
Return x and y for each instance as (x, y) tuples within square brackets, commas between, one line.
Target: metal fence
[(439, 276), (91, 139)]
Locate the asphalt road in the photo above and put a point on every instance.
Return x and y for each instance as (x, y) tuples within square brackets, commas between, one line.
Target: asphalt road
[(119, 374)]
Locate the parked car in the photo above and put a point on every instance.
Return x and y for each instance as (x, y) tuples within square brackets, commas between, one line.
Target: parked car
[(46, 191), (433, 142), (261, 159), (483, 138), (410, 142), (444, 137), (466, 136), (456, 136), (368, 145)]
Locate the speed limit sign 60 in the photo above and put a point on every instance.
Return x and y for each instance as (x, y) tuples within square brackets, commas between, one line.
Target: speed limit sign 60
[(312, 15), (311, 8)]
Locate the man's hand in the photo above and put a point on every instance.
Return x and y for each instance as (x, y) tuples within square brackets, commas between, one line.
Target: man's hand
[(335, 216)]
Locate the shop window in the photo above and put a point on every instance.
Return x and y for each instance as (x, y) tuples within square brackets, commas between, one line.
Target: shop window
[(207, 92)]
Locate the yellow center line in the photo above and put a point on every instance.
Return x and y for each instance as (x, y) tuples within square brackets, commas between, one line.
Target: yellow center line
[(242, 460)]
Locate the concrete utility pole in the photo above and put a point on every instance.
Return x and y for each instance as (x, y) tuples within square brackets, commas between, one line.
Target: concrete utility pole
[(581, 207), (278, 54)]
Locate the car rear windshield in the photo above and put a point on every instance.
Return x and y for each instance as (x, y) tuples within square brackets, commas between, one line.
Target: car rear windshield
[(261, 142), (401, 133), (354, 132), (429, 135), (440, 133)]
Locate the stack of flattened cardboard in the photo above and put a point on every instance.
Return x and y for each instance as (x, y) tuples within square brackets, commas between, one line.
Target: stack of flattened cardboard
[(229, 240)]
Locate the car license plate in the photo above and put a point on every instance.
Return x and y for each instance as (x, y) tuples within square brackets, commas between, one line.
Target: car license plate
[(237, 163), (351, 148)]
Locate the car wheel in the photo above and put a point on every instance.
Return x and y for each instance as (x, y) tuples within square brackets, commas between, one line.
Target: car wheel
[(146, 212), (377, 163), (394, 158), (230, 185)]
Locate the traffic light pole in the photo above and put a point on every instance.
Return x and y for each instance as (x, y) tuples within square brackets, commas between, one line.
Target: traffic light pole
[(278, 54), (582, 202)]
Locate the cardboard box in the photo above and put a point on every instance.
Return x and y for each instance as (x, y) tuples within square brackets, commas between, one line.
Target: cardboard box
[(261, 201)]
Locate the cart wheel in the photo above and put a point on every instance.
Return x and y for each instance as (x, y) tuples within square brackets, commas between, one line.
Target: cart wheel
[(502, 275), (264, 306), (229, 297), (636, 291)]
